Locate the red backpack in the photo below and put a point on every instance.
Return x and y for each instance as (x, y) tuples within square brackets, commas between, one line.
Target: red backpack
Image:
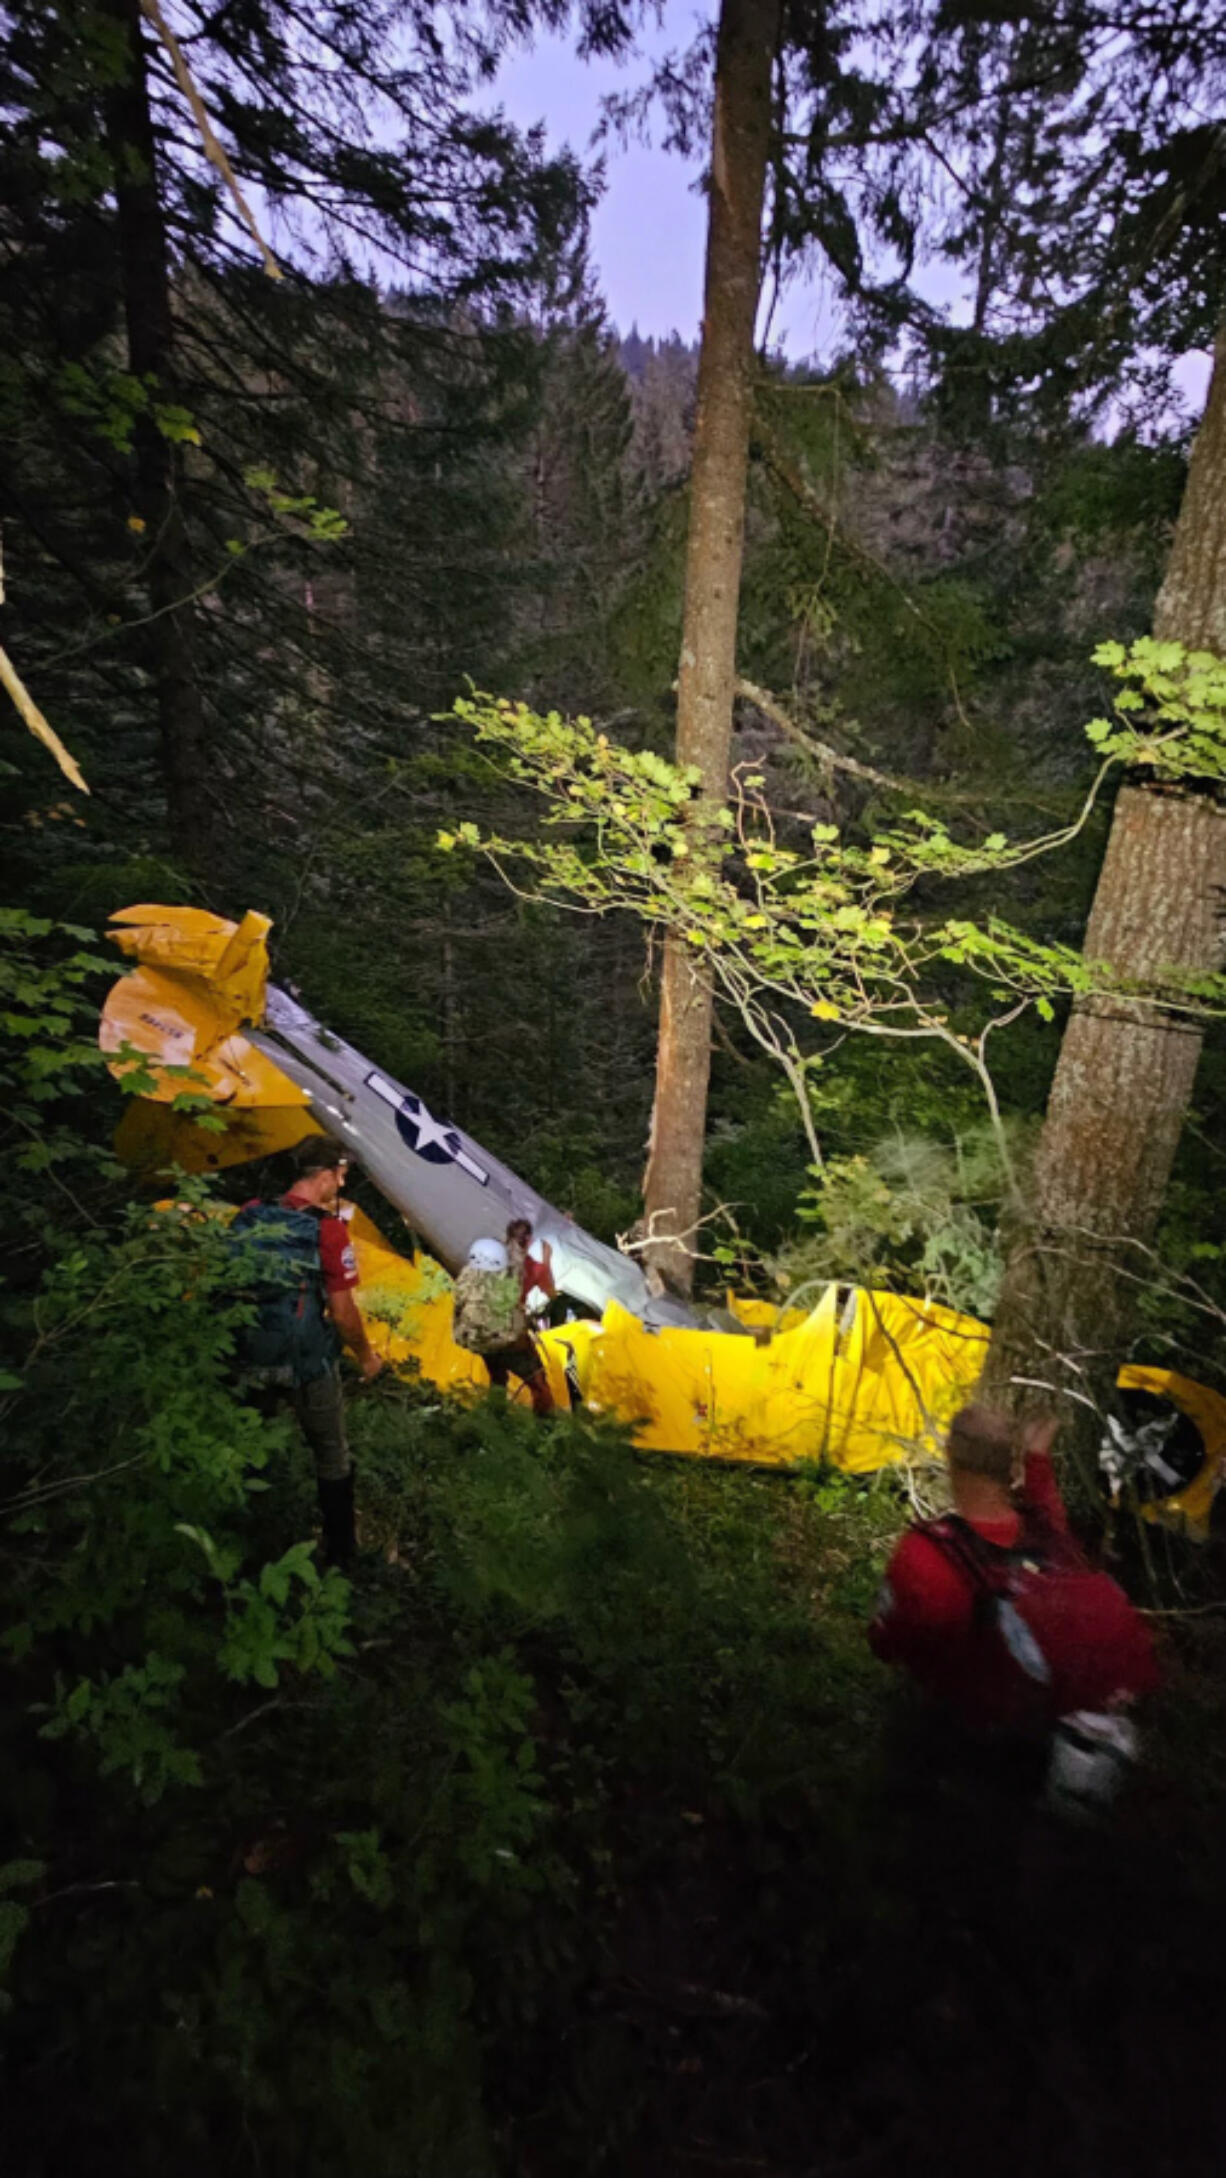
[(1067, 1635)]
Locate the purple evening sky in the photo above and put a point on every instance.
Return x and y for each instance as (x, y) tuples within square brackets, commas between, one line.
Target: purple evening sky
[(649, 229)]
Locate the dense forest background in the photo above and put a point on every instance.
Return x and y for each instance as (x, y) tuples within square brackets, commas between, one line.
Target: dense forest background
[(569, 1837), (932, 612)]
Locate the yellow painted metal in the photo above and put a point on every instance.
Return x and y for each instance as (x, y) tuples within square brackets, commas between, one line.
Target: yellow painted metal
[(864, 1393), (200, 978), (406, 1306), (231, 958), (864, 1396), (152, 1138), (861, 1393), (880, 1391), (1189, 1508)]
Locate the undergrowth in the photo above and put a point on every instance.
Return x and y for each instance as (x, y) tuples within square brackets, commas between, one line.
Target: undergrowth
[(604, 1787), (374, 1931), (573, 1835)]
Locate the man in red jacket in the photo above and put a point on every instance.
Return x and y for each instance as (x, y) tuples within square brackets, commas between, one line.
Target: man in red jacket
[(292, 1350), (995, 1611)]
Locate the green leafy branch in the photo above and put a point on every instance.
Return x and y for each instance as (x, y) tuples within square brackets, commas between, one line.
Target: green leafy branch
[(825, 931), (112, 402), (293, 1615), (781, 932), (321, 525), (1170, 713)]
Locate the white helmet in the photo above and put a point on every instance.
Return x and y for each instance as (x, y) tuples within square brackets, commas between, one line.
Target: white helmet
[(488, 1255)]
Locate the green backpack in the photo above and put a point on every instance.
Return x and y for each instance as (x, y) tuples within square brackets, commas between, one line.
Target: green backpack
[(278, 1264)]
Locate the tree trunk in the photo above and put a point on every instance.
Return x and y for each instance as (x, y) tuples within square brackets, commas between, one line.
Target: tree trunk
[(145, 274), (1191, 607), (745, 49), (1125, 1073)]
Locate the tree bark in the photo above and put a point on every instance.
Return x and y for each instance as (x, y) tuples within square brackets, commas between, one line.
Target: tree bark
[(745, 49), (1124, 1077), (145, 275), (1191, 607)]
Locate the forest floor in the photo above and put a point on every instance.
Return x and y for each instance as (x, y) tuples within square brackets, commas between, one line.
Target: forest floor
[(955, 1989), (613, 1850), (831, 1944)]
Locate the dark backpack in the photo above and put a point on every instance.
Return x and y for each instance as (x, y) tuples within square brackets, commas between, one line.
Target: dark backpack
[(1068, 1637), (277, 1262)]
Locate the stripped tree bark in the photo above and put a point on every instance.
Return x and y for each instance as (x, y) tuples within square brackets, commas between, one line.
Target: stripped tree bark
[(1124, 1078), (745, 48)]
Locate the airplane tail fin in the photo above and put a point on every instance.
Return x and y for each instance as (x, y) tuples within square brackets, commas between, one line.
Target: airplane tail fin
[(175, 1024)]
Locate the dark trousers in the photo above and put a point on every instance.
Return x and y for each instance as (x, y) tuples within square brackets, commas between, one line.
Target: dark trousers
[(522, 1361), (525, 1362), (319, 1409)]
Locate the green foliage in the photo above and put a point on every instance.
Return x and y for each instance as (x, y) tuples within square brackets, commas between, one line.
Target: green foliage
[(48, 1048), (131, 1464), (129, 1490), (498, 1797), (263, 1635), (298, 428), (433, 1874), (367, 1866), (757, 1156), (137, 1518), (109, 401), (641, 1592), (820, 929), (1103, 494), (574, 1163), (336, 1878), (15, 1875), (126, 1719), (830, 933), (322, 524), (913, 1214), (566, 1650), (1170, 711)]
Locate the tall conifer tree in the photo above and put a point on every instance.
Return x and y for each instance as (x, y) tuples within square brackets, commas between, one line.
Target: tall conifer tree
[(200, 394)]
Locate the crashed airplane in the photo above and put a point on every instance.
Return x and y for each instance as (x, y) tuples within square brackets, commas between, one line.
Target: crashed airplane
[(863, 1379)]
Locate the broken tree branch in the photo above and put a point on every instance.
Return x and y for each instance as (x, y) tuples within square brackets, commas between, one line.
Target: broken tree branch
[(772, 709), (40, 727), (215, 151)]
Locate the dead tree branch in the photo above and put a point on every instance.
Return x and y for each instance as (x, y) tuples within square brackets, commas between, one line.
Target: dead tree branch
[(215, 151)]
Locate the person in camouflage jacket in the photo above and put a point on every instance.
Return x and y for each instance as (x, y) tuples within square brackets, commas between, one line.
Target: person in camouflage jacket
[(488, 1319)]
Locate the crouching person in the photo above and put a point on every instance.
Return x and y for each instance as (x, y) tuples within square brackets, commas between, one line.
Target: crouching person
[(302, 1272), (997, 1613), (489, 1319)]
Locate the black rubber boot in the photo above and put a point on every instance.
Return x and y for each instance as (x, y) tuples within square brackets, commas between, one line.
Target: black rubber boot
[(336, 1507)]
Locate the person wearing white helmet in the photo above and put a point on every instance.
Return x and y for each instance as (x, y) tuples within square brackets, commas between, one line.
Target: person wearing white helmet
[(489, 1319)]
